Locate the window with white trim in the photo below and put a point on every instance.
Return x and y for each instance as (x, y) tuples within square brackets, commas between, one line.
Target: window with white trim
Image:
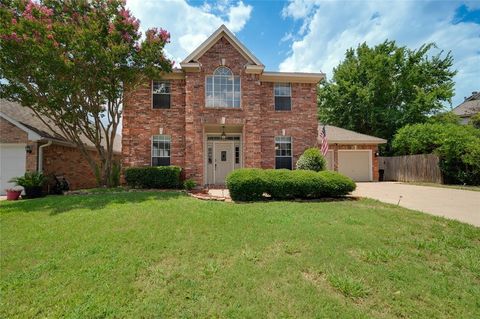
[(161, 150), (161, 94), (222, 89), (283, 96), (283, 152)]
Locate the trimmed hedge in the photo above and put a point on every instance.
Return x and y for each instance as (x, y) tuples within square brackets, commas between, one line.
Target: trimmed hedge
[(153, 177), (249, 184)]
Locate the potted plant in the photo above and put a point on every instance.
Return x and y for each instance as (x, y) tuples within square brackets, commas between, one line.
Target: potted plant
[(32, 183), (13, 193)]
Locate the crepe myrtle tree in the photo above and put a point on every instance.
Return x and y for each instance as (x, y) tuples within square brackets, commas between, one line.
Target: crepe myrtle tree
[(73, 63)]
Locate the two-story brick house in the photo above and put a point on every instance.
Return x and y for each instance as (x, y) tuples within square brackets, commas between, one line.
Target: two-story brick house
[(221, 110)]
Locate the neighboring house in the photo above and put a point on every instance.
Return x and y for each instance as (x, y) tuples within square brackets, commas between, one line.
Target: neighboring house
[(468, 108), (27, 144), (221, 111)]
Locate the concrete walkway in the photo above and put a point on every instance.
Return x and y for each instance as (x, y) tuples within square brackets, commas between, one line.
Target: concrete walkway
[(462, 205)]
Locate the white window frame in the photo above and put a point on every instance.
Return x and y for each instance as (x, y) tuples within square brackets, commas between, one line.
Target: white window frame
[(284, 142), (234, 78), (164, 139), (282, 95), (170, 93)]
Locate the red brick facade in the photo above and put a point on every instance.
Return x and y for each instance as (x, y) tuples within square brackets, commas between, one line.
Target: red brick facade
[(57, 159), (187, 118), (69, 162), (9, 133)]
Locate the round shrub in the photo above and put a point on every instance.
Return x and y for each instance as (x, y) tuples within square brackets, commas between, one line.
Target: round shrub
[(312, 160)]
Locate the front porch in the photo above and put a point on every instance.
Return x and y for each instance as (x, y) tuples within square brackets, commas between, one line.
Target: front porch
[(223, 152)]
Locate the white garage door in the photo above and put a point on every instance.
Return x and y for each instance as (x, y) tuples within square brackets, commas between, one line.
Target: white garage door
[(356, 164), (12, 164)]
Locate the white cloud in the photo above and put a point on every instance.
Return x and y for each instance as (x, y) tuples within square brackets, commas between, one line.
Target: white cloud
[(188, 25), (298, 9), (330, 28)]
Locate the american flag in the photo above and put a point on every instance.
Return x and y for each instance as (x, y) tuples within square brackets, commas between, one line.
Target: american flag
[(324, 146)]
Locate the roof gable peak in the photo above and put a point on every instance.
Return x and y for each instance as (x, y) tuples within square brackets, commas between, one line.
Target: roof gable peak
[(222, 31)]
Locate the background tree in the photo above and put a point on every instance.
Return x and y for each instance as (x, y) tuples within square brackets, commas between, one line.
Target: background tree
[(475, 121), (378, 90), (70, 61), (458, 147), (445, 118)]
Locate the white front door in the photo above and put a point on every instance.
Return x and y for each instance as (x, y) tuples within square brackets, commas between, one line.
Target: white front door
[(12, 164), (223, 160)]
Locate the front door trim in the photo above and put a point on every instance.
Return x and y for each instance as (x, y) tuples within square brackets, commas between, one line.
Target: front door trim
[(205, 150)]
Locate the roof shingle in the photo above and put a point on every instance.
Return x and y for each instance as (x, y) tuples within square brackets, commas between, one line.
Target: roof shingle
[(338, 135)]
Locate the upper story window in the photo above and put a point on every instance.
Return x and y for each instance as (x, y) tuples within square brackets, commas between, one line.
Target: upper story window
[(283, 96), (161, 94), (222, 89)]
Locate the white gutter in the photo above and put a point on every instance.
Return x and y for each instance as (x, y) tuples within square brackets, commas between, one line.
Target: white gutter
[(40, 155)]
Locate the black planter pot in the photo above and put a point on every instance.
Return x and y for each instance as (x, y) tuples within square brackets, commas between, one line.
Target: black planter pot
[(34, 192)]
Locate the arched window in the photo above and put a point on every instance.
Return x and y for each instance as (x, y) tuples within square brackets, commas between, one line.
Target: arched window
[(222, 89)]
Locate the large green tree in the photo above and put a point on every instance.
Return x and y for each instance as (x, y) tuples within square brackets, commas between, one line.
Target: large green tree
[(70, 61), (377, 90)]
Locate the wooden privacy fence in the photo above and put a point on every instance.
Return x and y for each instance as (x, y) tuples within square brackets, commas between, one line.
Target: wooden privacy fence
[(411, 168)]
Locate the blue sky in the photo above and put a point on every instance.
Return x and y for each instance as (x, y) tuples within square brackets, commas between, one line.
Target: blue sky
[(312, 36)]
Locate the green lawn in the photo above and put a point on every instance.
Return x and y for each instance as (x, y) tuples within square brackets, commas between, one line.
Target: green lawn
[(160, 255)]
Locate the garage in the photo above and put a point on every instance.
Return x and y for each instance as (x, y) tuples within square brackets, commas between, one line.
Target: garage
[(351, 153), (356, 164), (329, 158), (12, 164)]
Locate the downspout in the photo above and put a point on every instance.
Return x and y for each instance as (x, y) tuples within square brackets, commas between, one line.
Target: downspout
[(40, 155)]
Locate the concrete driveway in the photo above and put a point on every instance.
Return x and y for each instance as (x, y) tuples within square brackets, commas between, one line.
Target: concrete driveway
[(456, 204)]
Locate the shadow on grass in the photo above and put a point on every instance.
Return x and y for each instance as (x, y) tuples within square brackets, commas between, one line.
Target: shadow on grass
[(266, 199), (58, 204)]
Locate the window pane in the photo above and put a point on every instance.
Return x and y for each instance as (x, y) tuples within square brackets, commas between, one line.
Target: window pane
[(161, 150), (283, 146), (237, 155), (222, 89), (161, 101), (282, 89), (222, 71), (161, 161), (161, 94), (283, 162), (283, 103), (161, 87)]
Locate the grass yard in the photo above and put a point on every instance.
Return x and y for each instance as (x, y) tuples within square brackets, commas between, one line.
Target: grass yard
[(147, 255)]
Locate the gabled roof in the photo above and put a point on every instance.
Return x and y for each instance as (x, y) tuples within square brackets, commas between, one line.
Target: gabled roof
[(338, 135), (254, 66), (26, 120), (469, 107), (222, 31)]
